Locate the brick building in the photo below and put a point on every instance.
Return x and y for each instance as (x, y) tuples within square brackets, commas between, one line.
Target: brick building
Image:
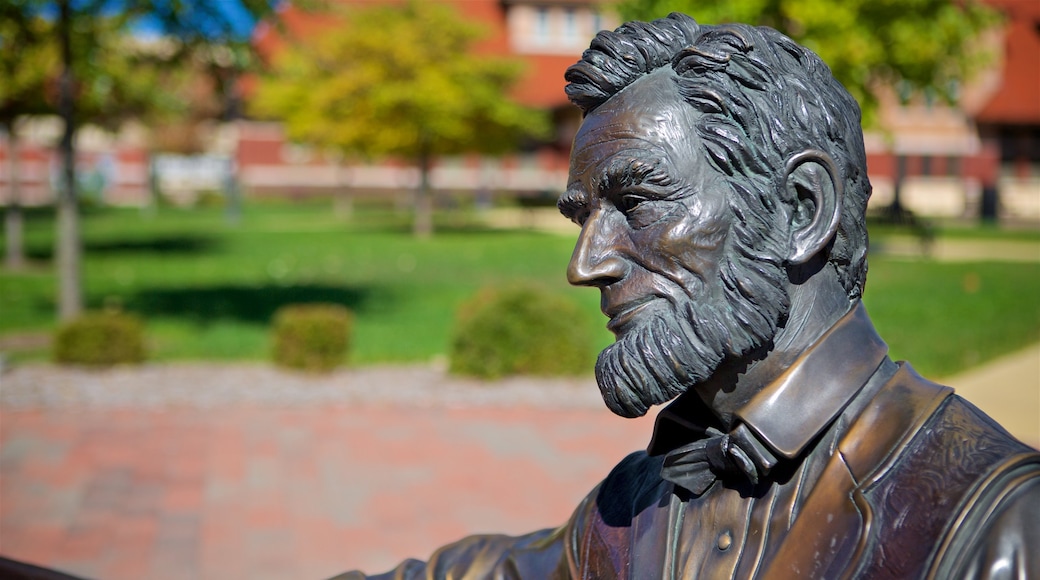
[(951, 162), (547, 35), (946, 162)]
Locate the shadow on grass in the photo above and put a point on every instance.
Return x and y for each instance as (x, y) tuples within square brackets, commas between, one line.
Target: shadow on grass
[(253, 304), (168, 245), (405, 228), (48, 213), (446, 220)]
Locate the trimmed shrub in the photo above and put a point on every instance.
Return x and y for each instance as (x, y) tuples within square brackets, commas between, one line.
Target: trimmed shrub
[(520, 331), (312, 337), (100, 339)]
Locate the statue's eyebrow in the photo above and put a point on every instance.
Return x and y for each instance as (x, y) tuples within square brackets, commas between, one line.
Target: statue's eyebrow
[(633, 171), (573, 204)]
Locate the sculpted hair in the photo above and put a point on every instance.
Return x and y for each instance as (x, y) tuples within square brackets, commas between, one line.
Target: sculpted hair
[(762, 99)]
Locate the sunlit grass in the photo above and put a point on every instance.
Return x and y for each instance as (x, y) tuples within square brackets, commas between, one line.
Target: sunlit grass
[(945, 317), (207, 288)]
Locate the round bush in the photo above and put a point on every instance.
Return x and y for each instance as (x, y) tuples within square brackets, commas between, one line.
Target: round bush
[(100, 339), (312, 337), (520, 331)]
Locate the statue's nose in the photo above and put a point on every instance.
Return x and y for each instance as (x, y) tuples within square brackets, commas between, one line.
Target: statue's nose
[(596, 260)]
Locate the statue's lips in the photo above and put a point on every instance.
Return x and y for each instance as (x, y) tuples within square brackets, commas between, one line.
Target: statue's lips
[(622, 316)]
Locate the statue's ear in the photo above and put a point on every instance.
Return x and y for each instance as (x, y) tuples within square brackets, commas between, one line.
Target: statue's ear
[(816, 188)]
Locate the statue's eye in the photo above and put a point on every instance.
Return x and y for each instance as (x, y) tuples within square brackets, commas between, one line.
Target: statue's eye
[(627, 203), (641, 212)]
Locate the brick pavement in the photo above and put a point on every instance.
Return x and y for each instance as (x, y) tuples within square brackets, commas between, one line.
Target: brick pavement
[(284, 488), (266, 492)]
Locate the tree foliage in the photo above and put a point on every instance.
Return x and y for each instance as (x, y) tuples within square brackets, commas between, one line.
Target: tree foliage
[(97, 75), (913, 45), (28, 60), (120, 74), (118, 77), (396, 80), (28, 56)]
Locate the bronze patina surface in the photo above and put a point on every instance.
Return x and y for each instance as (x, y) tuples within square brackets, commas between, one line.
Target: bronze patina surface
[(720, 183)]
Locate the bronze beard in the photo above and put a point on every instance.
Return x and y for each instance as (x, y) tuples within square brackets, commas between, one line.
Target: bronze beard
[(678, 346)]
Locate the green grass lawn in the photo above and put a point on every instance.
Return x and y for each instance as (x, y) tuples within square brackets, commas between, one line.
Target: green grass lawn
[(208, 289), (946, 317)]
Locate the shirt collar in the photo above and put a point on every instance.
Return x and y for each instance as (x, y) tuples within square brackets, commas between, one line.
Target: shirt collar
[(799, 404)]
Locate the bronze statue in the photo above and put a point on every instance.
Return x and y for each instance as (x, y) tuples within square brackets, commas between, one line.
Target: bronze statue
[(720, 182)]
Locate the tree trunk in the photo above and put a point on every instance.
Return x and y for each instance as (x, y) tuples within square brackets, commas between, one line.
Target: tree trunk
[(151, 209), (232, 194), (68, 245), (423, 226), (14, 258), (342, 200), (896, 210)]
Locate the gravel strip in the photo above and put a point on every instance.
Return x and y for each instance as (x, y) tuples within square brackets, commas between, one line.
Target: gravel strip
[(204, 386)]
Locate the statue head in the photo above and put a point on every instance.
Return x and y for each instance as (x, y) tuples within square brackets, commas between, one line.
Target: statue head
[(717, 168)]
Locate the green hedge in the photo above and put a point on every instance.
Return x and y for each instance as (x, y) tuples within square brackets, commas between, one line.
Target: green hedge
[(312, 337), (520, 330), (100, 339)]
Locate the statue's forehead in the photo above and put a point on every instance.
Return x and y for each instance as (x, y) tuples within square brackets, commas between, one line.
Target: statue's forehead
[(646, 118), (647, 108)]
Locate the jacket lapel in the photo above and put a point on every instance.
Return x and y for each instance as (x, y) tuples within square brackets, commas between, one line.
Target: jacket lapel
[(832, 531)]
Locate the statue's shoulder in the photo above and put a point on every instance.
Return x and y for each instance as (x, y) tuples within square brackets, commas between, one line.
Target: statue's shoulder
[(949, 444), (959, 438), (997, 524), (946, 480), (914, 426)]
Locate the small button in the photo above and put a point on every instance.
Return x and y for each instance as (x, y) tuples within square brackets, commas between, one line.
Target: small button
[(725, 540)]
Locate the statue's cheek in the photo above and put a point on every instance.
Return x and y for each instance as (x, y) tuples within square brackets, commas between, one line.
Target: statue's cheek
[(696, 237)]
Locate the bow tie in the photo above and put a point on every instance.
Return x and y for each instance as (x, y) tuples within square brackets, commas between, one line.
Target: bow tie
[(695, 466)]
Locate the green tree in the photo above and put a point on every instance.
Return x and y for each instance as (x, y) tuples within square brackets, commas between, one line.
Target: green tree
[(397, 80), (28, 58), (913, 45), (102, 74)]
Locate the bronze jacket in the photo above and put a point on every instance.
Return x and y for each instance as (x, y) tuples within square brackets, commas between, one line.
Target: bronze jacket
[(902, 479)]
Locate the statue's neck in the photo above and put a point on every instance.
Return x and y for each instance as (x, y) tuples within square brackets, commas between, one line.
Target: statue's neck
[(816, 305)]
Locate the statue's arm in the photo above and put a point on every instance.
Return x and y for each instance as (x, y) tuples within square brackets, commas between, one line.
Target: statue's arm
[(1006, 544)]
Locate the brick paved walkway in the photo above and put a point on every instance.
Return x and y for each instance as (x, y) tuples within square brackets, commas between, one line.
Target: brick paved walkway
[(273, 475), (263, 492)]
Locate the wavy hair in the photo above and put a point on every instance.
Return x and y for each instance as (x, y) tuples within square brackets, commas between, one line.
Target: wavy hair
[(762, 98)]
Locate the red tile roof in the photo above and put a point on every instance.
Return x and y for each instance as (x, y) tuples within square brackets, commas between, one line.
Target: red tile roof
[(1018, 99), (540, 86)]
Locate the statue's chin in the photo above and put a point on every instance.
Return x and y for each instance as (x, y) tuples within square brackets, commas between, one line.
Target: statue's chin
[(676, 347), (649, 366)]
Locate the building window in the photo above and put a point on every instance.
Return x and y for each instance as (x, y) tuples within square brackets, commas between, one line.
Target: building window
[(570, 26), (597, 22), (541, 26)]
